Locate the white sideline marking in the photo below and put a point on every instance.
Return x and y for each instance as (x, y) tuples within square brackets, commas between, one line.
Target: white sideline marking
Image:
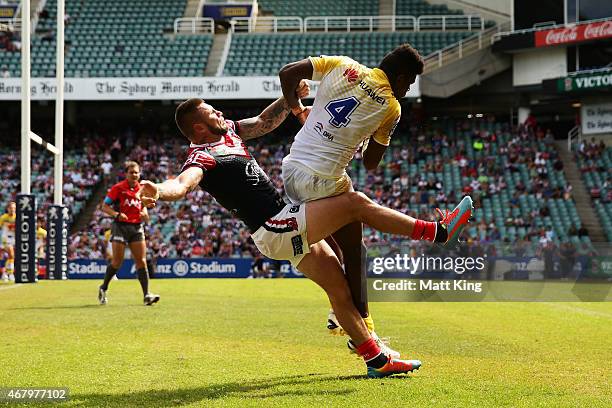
[(580, 310), (11, 286)]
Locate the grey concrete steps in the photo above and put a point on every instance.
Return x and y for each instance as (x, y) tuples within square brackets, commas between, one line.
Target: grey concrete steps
[(581, 195), (215, 55)]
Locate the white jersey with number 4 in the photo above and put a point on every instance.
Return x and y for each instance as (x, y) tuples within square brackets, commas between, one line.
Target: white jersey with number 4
[(353, 103)]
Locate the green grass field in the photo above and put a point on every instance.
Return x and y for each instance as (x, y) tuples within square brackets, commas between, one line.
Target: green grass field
[(263, 343)]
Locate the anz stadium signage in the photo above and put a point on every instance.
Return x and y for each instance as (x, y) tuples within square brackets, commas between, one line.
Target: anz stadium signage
[(116, 89), (176, 268)]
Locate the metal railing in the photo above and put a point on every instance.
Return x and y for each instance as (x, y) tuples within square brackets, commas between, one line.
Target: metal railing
[(360, 23), (451, 22), (601, 70), (194, 25), (574, 136), (462, 48), (267, 24), (357, 23)]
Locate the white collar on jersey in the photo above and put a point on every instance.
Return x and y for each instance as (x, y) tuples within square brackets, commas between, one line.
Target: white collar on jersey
[(193, 145)]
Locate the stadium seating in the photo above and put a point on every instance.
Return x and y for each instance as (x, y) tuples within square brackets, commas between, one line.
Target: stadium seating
[(518, 198), (116, 38), (126, 39), (246, 56), (422, 8), (419, 8), (320, 7), (413, 178)]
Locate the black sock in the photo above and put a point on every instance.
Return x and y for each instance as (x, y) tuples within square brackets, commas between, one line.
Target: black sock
[(378, 361), (143, 278), (150, 268), (441, 233), (108, 275)]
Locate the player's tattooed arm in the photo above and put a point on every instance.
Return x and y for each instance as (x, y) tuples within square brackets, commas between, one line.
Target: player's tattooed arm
[(268, 120), (271, 117), (170, 190)]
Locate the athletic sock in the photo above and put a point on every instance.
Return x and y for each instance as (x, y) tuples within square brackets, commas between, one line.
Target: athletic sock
[(108, 276), (371, 354), (424, 230), (143, 278), (429, 231), (441, 233)]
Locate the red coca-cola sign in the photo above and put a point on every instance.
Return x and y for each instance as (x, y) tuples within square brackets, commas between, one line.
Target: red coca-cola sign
[(574, 33)]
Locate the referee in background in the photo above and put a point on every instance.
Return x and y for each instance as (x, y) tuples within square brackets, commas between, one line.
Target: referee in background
[(122, 204)]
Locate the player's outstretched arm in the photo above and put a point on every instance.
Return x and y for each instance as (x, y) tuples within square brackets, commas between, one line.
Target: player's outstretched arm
[(170, 190), (271, 117), (290, 76)]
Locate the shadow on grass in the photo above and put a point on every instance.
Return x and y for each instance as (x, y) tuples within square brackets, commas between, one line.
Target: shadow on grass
[(258, 389)]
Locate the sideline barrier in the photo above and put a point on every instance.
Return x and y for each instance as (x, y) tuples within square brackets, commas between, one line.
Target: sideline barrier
[(176, 268)]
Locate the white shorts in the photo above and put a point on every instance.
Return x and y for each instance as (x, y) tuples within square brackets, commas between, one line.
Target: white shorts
[(303, 184), (283, 236)]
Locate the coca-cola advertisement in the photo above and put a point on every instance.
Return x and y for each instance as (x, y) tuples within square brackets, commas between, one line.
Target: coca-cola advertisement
[(574, 33)]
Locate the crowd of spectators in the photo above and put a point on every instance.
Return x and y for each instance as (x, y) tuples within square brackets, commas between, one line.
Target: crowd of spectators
[(410, 179), (81, 176), (590, 155), (10, 41), (198, 227), (194, 227), (483, 175)]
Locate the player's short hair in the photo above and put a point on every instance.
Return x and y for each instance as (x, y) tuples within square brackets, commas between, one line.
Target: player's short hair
[(402, 60), (131, 163), (183, 113)]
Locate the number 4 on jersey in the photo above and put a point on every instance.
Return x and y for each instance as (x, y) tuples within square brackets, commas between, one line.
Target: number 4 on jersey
[(341, 110)]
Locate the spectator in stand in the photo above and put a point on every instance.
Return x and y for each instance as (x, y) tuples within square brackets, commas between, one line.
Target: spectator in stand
[(567, 253)]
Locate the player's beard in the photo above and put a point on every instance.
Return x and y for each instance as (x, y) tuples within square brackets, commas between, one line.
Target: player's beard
[(218, 129)]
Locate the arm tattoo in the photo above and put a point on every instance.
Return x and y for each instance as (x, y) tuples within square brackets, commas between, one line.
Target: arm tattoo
[(267, 120)]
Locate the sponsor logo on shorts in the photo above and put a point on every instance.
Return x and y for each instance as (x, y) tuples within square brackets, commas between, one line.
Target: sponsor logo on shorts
[(298, 245), (117, 238), (280, 226)]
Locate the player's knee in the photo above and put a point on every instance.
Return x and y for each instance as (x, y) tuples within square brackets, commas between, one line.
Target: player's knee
[(358, 201), (140, 263)]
